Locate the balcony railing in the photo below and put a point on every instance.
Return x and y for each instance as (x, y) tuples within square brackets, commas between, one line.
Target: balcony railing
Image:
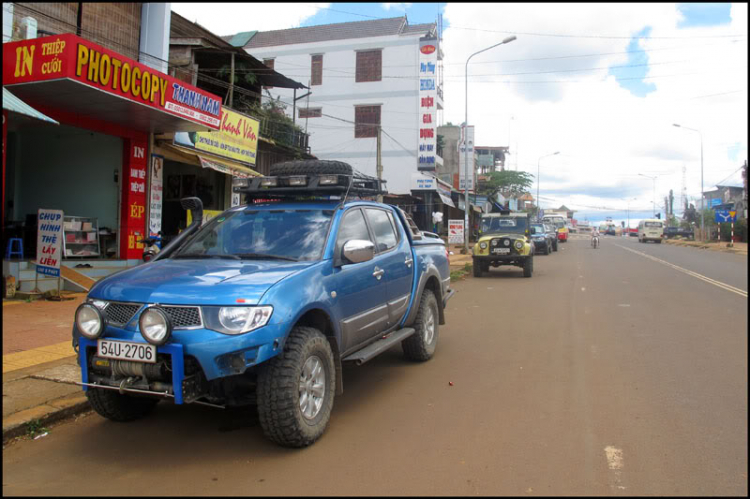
[(284, 134)]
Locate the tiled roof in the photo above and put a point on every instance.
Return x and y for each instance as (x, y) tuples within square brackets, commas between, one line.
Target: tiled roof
[(418, 28), (339, 31)]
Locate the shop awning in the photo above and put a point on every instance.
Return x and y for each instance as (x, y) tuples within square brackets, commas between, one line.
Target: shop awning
[(15, 105), (446, 199), (185, 154)]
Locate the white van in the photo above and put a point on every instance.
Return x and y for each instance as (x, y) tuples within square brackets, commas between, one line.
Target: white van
[(651, 229)]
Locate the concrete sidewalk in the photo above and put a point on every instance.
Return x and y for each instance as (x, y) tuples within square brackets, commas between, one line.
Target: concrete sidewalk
[(39, 363)]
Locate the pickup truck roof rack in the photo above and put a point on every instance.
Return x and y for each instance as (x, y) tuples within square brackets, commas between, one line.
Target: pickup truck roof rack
[(308, 187)]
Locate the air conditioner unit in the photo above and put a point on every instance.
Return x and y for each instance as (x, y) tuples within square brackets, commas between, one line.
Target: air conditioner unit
[(28, 28)]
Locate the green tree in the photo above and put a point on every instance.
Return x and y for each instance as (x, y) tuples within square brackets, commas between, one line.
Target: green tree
[(509, 183)]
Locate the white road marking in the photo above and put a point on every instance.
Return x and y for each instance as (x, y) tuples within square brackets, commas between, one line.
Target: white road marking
[(691, 273), (583, 289), (623, 305)]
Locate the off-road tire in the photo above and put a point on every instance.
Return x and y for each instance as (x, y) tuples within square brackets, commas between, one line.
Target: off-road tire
[(420, 346), (547, 249), (554, 246), (121, 408), (311, 167), (278, 390), (528, 267), (476, 267)]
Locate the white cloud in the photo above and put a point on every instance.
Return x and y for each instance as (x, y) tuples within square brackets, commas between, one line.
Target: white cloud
[(401, 6), (230, 18), (605, 134)]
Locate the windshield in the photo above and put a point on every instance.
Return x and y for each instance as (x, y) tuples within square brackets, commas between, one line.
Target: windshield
[(557, 222), (539, 229), (496, 224), (262, 234)]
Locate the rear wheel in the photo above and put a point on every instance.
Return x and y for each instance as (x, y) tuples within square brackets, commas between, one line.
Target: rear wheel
[(420, 346), (121, 408)]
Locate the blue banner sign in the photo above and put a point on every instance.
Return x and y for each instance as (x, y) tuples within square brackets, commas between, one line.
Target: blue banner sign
[(725, 216)]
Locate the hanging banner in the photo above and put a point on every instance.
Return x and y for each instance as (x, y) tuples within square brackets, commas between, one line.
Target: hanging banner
[(427, 141), (463, 145), (49, 241), (237, 138), (157, 193)]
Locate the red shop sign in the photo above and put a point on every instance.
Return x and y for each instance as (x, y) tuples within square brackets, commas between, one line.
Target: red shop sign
[(69, 56)]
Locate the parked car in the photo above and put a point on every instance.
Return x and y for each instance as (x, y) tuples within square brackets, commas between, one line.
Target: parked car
[(504, 239), (672, 232), (264, 303), (543, 239)]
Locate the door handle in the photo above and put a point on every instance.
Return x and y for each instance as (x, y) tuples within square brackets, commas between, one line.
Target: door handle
[(408, 262), (378, 273)]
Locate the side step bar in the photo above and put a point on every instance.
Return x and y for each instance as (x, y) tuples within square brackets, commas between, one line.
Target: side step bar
[(361, 356)]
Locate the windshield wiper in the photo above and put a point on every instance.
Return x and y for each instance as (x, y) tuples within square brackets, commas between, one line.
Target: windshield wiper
[(205, 255), (261, 256)]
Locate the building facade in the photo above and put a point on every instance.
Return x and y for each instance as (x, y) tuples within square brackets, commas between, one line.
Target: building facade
[(364, 77)]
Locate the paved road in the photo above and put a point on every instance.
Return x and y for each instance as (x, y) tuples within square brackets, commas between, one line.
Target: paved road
[(607, 373)]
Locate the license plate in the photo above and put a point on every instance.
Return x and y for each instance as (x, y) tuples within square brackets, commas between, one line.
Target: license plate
[(501, 251), (138, 352)]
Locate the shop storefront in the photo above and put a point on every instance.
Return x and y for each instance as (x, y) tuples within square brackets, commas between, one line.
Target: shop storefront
[(95, 165), (435, 197)]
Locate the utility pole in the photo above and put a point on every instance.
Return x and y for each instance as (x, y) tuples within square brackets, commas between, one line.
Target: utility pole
[(379, 166)]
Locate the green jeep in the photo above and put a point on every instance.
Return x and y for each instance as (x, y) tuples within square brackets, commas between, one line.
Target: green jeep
[(504, 239)]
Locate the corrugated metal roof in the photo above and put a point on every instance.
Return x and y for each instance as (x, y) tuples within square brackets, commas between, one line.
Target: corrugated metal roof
[(16, 105), (240, 39), (327, 32)]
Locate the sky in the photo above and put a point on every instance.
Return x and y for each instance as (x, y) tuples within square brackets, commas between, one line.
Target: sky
[(600, 83)]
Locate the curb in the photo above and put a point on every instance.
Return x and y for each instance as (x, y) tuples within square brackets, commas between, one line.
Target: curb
[(51, 412)]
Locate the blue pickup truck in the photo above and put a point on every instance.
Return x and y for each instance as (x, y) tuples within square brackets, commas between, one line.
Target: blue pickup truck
[(263, 304)]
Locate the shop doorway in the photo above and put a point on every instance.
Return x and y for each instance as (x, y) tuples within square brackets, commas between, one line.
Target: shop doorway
[(184, 180)]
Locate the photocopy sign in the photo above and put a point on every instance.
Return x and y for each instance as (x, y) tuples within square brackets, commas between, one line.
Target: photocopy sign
[(427, 107), (49, 241), (455, 231), (467, 143)]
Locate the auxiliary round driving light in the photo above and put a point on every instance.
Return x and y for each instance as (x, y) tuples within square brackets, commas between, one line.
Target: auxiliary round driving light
[(155, 326), (90, 321), (519, 244)]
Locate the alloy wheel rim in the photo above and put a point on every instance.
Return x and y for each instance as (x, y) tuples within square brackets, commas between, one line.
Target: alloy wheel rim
[(312, 387), (429, 326)]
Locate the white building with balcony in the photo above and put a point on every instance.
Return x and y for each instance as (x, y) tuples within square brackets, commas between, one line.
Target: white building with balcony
[(362, 75)]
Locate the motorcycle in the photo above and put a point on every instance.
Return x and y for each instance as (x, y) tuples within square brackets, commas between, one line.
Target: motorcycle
[(152, 246), (594, 242)]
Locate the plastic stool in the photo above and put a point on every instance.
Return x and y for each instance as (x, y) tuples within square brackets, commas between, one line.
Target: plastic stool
[(14, 242)]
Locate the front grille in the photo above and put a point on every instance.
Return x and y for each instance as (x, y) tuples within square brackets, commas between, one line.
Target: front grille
[(119, 314), (184, 317)]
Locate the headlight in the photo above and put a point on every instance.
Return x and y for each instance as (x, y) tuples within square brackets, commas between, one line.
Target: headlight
[(268, 182), (483, 245), (155, 325), (238, 320), (89, 320), (519, 244), (328, 180), (297, 180)]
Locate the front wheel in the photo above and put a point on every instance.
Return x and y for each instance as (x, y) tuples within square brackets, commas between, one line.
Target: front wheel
[(477, 268), (420, 346), (528, 267), (296, 389)]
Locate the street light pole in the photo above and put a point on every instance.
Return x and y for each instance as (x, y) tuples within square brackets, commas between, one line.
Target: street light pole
[(653, 202), (703, 225), (466, 149), (538, 203)]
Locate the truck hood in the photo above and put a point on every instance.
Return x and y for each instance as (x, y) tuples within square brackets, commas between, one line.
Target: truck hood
[(196, 282)]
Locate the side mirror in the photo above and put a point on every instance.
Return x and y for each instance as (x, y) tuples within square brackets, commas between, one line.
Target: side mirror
[(358, 250)]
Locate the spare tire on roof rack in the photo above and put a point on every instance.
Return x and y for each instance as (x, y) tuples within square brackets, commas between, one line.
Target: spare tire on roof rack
[(311, 167)]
